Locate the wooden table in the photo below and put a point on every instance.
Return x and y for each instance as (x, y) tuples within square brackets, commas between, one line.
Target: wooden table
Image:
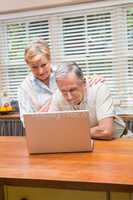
[(108, 168), (128, 117), (16, 116), (10, 116)]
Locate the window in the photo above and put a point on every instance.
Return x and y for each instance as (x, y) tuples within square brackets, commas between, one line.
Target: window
[(129, 88), (97, 41), (18, 35), (88, 41), (100, 40)]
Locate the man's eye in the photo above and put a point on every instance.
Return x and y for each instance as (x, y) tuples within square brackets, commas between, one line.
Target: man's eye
[(73, 90), (64, 92)]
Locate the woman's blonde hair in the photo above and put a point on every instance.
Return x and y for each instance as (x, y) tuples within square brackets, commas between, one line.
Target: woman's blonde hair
[(37, 47)]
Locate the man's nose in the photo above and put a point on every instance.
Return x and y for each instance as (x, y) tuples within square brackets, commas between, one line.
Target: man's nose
[(69, 96)]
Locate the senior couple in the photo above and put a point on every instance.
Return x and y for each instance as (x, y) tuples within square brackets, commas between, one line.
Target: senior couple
[(48, 88)]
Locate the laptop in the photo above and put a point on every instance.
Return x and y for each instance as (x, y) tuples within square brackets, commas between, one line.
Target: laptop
[(65, 131)]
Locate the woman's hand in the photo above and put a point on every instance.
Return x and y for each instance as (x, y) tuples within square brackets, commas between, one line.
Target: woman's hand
[(93, 80), (46, 106)]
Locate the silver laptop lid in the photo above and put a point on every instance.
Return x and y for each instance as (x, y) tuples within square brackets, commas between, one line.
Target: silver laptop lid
[(65, 131)]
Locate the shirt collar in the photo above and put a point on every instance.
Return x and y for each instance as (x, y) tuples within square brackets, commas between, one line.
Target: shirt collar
[(37, 83)]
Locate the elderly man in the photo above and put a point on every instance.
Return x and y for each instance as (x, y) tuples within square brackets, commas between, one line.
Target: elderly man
[(75, 94)]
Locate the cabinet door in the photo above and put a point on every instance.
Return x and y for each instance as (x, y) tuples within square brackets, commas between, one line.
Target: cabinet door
[(29, 193), (120, 196), (11, 127)]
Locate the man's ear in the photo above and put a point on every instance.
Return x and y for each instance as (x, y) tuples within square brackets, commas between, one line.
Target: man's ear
[(84, 81)]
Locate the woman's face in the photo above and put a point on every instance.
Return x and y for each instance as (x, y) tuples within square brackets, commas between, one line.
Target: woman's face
[(40, 67)]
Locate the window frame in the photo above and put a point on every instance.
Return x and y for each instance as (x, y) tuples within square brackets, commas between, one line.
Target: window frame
[(55, 16)]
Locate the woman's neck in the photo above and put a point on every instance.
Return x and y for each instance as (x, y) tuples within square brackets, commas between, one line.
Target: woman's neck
[(46, 82)]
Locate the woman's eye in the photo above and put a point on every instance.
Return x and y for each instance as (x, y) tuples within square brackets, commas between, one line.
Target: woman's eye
[(34, 67), (43, 65)]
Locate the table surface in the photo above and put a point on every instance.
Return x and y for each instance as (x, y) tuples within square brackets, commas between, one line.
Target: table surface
[(127, 116), (17, 116), (9, 116), (108, 167)]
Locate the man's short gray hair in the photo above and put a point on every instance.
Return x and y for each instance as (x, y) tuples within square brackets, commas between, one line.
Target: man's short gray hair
[(68, 67)]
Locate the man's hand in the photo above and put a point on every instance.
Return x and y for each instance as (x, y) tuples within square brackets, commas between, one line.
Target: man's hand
[(104, 130)]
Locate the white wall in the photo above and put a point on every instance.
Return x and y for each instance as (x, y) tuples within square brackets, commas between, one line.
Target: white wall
[(7, 6)]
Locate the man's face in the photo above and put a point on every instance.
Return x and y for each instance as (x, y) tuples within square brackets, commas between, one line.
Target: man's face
[(72, 88), (40, 67)]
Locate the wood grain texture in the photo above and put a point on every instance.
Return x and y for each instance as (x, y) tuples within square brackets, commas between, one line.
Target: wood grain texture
[(127, 117), (10, 116), (16, 116), (1, 191), (109, 167)]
